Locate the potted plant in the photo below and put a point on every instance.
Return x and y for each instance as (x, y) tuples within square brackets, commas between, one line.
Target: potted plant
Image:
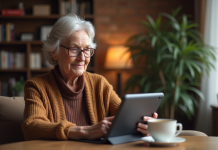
[(18, 88), (174, 59)]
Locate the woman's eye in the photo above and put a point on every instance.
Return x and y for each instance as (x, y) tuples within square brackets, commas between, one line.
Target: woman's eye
[(73, 49)]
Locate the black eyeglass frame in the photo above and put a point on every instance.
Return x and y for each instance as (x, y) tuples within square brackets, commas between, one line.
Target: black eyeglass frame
[(68, 48)]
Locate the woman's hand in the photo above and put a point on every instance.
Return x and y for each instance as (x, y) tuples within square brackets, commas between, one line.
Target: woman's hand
[(143, 128), (91, 132)]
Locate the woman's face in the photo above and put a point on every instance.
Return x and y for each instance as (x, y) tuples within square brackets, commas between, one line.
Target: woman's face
[(73, 66)]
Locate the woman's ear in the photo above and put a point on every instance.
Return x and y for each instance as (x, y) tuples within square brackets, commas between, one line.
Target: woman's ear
[(53, 55)]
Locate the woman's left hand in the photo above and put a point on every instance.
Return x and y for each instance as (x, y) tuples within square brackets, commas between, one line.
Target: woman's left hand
[(143, 128)]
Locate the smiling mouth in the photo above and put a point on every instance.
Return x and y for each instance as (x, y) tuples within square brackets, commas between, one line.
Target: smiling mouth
[(77, 65)]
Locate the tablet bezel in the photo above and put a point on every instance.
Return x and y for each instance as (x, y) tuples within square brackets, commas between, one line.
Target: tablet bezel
[(128, 108)]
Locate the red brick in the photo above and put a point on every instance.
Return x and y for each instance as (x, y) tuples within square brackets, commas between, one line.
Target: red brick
[(160, 3), (103, 19), (134, 33), (133, 27), (148, 11), (107, 27), (136, 19), (101, 27), (176, 3), (123, 28), (140, 3), (100, 3), (103, 35), (119, 19), (105, 11), (165, 10), (120, 3), (121, 40), (120, 35), (113, 27), (128, 27), (127, 11)]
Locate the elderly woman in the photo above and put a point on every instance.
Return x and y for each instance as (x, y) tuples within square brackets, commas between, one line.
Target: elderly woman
[(68, 102)]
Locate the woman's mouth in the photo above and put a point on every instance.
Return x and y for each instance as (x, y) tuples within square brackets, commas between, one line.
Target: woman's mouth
[(77, 65)]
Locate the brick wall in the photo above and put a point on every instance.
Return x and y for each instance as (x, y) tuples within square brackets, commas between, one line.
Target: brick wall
[(117, 20)]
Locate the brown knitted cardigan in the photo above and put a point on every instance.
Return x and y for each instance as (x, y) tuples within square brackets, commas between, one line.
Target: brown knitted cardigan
[(44, 114)]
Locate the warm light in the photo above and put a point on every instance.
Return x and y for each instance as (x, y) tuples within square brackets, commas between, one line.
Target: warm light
[(118, 57)]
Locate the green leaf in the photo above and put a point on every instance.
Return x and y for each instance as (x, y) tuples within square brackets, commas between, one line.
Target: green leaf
[(153, 42), (181, 64), (167, 97), (190, 69), (184, 22), (153, 25), (176, 52), (158, 22), (195, 65), (132, 82), (194, 25), (175, 12), (185, 111), (147, 87), (177, 94), (196, 91), (143, 80), (188, 101)]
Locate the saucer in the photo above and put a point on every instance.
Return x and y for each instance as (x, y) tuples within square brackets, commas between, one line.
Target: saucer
[(173, 142)]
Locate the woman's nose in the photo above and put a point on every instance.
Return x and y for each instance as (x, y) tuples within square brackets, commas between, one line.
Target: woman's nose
[(81, 56)]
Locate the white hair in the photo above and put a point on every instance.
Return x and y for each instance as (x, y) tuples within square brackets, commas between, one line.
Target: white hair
[(62, 29)]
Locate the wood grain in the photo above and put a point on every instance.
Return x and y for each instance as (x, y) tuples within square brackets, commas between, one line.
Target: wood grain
[(192, 142)]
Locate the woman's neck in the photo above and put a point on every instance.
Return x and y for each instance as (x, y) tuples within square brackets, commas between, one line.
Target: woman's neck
[(71, 81)]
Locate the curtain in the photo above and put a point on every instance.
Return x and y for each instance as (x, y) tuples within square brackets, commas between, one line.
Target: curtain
[(209, 83)]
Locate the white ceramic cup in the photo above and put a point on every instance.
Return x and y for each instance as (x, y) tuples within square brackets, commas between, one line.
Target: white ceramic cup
[(162, 130)]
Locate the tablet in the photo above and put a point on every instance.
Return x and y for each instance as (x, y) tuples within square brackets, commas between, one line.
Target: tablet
[(129, 114)]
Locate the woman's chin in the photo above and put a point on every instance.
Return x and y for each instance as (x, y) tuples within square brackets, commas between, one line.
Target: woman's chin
[(78, 72)]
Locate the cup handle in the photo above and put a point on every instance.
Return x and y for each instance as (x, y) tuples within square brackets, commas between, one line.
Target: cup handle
[(180, 128)]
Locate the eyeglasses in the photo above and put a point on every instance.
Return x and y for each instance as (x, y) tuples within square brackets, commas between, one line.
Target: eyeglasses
[(75, 51)]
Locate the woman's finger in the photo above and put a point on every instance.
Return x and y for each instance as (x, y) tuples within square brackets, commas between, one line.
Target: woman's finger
[(143, 126), (109, 118), (155, 115), (144, 132), (146, 118), (106, 122), (107, 126)]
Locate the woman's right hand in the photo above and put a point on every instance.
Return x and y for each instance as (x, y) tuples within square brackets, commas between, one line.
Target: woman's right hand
[(91, 132)]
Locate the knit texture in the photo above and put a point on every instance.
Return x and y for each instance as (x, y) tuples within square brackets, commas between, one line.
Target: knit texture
[(74, 101), (44, 114)]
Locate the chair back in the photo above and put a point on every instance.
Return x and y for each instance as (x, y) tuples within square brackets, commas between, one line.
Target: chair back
[(11, 119)]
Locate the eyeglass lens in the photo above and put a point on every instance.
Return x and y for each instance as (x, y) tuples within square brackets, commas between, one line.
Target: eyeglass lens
[(88, 52)]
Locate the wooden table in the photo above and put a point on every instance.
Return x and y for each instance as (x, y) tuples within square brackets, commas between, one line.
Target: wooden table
[(192, 142)]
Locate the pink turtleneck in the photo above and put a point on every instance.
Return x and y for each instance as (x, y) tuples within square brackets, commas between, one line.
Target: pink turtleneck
[(74, 101)]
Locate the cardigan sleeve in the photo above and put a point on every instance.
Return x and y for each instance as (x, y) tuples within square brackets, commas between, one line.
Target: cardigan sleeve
[(115, 102), (111, 96), (38, 123)]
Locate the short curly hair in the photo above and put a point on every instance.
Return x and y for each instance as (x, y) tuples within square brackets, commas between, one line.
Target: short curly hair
[(63, 28)]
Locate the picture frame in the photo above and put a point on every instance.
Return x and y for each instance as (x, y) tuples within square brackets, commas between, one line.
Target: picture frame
[(44, 31), (27, 36)]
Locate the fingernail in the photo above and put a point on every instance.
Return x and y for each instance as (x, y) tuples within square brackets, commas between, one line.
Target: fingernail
[(145, 118), (140, 124)]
